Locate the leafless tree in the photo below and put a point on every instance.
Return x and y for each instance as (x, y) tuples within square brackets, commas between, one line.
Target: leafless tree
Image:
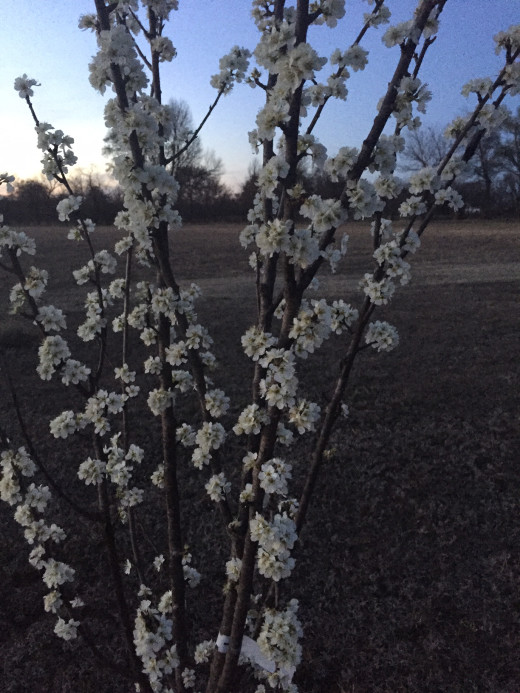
[(424, 147)]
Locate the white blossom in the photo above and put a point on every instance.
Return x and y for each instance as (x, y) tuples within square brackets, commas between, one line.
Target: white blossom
[(159, 400), (57, 573), (275, 540), (304, 415), (64, 424), (424, 180), (233, 67), (23, 85), (449, 196), (279, 636), (251, 420), (67, 630), (188, 678), (52, 602), (216, 402), (217, 487), (68, 205), (164, 47), (91, 471), (381, 336), (397, 34), (379, 292), (274, 475), (255, 342), (233, 568), (51, 319), (38, 497), (203, 651), (413, 206)]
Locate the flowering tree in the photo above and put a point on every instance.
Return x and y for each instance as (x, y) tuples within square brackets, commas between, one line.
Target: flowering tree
[(292, 234)]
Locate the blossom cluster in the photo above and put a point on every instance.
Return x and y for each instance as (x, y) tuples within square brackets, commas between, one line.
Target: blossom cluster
[(279, 642), (153, 640), (31, 501), (7, 180), (17, 241), (233, 67), (382, 336), (274, 475), (275, 541), (58, 155)]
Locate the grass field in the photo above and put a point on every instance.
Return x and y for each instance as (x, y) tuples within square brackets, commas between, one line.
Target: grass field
[(409, 571)]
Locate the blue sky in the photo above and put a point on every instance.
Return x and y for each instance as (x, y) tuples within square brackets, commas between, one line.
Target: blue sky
[(41, 38)]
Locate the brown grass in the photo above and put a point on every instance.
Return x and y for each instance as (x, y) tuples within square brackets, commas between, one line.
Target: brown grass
[(409, 568)]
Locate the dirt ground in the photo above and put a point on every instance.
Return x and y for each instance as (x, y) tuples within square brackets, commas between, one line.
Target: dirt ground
[(408, 571)]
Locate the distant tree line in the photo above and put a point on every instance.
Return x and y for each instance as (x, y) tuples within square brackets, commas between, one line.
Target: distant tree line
[(34, 201), (204, 198), (202, 195), (490, 188)]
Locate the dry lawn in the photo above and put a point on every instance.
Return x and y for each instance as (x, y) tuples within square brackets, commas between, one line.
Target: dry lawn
[(409, 571)]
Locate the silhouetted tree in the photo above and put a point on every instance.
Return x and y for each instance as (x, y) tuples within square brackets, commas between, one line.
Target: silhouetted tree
[(32, 202), (202, 195), (182, 148), (493, 183), (424, 147), (248, 189), (197, 170), (101, 199), (509, 152)]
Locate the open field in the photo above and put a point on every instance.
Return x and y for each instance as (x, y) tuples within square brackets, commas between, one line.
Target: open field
[(409, 572)]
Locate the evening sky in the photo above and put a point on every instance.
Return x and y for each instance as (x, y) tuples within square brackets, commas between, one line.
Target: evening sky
[(41, 38)]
